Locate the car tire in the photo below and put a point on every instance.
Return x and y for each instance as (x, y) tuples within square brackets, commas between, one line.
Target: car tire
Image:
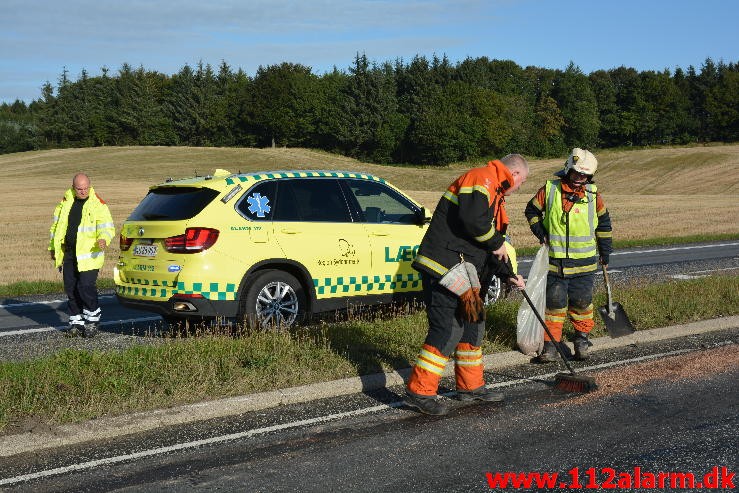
[(272, 299), (494, 291)]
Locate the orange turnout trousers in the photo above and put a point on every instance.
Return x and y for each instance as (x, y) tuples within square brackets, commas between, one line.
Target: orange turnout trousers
[(430, 366)]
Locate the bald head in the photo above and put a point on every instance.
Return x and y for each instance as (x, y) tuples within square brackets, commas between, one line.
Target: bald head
[(519, 168), (81, 185)]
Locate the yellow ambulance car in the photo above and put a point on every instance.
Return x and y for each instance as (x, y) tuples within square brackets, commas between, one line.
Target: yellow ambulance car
[(269, 248)]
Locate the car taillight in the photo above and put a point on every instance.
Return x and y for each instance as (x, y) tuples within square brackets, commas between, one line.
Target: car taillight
[(124, 243), (193, 241)]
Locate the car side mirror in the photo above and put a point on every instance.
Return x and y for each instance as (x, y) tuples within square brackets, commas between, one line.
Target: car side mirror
[(423, 217)]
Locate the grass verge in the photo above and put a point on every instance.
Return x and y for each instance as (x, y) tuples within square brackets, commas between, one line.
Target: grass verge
[(27, 288), (75, 385)]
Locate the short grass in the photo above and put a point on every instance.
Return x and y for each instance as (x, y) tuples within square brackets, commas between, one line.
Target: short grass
[(75, 385), (664, 193)]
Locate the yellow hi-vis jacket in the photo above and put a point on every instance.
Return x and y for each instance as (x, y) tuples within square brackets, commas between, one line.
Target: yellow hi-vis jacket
[(96, 223), (571, 235)]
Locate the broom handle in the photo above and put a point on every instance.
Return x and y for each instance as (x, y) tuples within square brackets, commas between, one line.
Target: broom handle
[(546, 329)]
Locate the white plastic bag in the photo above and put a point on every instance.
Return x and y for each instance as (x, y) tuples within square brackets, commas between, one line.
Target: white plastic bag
[(529, 332)]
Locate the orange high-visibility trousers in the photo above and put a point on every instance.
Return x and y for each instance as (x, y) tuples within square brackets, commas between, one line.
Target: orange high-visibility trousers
[(555, 319), (582, 319), (468, 368), (426, 373), (429, 368)]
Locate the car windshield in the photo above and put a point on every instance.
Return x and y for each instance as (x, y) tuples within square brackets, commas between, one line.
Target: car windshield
[(172, 203)]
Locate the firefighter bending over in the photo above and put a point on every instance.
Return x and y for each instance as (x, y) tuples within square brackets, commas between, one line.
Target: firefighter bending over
[(469, 223)]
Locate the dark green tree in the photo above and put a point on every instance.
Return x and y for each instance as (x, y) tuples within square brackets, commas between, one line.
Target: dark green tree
[(630, 102), (371, 125), (665, 106), (577, 103), (547, 136), (608, 111), (18, 131), (722, 106), (140, 116), (284, 104)]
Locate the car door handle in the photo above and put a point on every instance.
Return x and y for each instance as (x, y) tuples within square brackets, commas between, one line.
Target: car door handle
[(379, 233), (290, 231)]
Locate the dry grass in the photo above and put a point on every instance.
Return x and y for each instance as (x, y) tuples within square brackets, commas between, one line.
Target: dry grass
[(651, 193)]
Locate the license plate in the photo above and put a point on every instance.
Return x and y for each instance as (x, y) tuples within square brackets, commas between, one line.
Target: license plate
[(145, 250)]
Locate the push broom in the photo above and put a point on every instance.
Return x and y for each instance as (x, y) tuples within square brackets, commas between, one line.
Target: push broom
[(568, 382)]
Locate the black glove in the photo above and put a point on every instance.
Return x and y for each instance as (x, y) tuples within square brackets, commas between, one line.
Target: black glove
[(540, 233), (604, 258)]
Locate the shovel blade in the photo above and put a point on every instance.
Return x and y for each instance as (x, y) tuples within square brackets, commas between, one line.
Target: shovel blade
[(619, 325)]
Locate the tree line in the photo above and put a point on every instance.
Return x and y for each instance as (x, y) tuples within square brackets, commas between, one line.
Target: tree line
[(426, 111)]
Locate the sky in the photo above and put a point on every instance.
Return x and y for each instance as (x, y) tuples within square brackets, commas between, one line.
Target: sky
[(41, 38)]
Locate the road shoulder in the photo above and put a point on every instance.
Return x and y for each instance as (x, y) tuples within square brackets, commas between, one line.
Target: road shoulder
[(111, 427)]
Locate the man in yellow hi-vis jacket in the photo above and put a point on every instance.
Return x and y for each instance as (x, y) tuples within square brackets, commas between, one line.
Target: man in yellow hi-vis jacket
[(81, 230)]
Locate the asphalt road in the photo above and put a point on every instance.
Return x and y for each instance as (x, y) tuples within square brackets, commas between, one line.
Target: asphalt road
[(668, 406), (368, 441)]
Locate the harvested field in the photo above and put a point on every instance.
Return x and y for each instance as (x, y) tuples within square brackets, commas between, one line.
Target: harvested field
[(651, 193)]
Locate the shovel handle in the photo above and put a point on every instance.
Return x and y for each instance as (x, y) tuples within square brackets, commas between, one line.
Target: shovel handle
[(546, 329), (608, 287)]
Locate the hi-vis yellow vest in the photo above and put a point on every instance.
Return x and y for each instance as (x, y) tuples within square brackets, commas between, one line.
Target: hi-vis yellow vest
[(96, 223), (571, 235)]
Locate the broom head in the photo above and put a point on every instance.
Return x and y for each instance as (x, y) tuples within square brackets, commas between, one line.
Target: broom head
[(574, 383)]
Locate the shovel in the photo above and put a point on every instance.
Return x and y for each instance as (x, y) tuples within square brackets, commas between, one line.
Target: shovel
[(613, 314)]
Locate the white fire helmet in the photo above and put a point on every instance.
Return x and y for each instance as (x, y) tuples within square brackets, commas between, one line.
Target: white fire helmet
[(582, 161)]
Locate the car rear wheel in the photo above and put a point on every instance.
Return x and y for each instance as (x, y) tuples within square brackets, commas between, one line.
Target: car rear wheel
[(273, 299)]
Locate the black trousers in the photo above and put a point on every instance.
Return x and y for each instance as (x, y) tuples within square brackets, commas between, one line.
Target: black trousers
[(446, 328), (575, 292), (80, 287)]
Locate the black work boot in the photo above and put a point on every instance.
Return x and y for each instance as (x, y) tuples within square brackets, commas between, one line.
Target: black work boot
[(73, 330), (582, 344), (426, 404), (480, 394), (549, 353), (90, 329)]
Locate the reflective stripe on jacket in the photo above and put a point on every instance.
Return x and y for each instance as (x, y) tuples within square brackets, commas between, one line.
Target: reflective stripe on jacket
[(571, 234), (96, 223), (470, 219)]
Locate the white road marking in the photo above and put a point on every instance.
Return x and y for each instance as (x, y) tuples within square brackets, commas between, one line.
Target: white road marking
[(700, 273), (52, 302), (655, 250), (295, 424), (672, 249), (60, 327)]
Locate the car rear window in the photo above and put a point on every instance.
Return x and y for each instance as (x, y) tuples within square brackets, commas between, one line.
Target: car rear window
[(172, 203)]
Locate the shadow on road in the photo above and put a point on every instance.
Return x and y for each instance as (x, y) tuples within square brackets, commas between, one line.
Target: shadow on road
[(42, 313)]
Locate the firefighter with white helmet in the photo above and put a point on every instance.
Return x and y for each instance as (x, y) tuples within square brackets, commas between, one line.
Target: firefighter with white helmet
[(581, 161), (570, 216)]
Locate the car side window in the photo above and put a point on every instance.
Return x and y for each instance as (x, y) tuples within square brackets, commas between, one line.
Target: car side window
[(318, 200), (258, 203), (381, 204)]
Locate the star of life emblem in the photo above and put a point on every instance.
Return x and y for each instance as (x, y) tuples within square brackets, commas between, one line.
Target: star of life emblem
[(258, 204)]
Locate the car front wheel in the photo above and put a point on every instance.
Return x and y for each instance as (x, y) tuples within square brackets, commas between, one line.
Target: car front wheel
[(273, 299), (493, 292)]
